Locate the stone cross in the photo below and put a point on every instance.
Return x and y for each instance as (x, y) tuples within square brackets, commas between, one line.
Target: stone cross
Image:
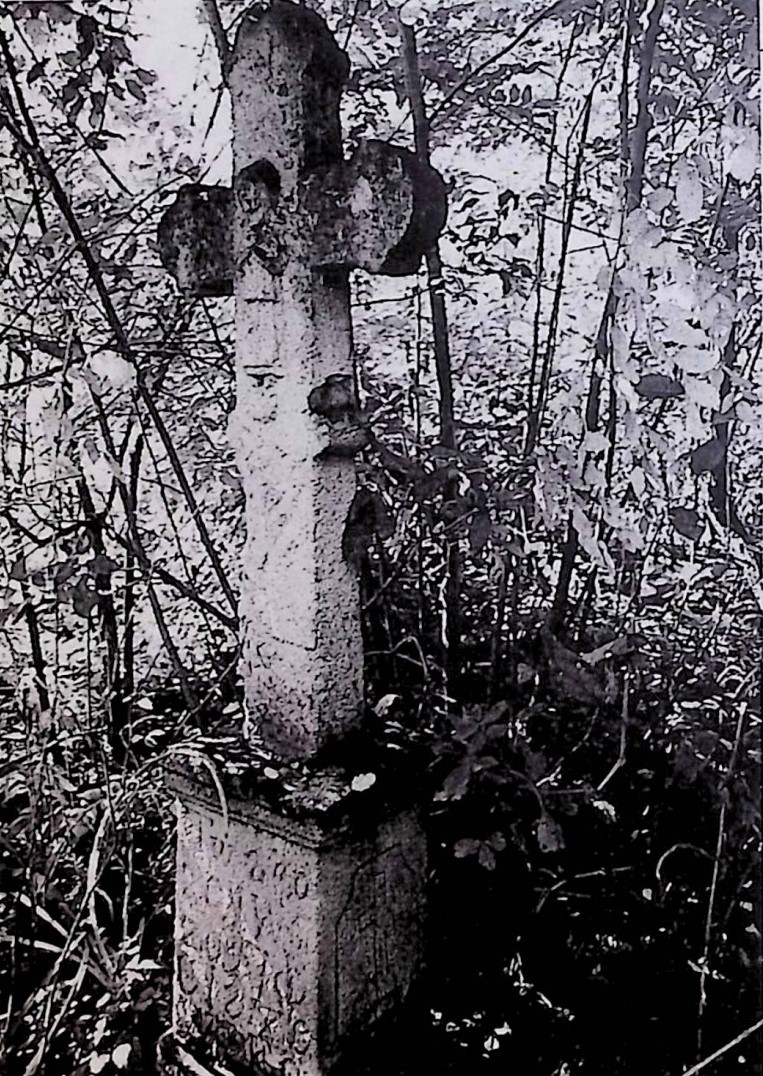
[(283, 241), (298, 921)]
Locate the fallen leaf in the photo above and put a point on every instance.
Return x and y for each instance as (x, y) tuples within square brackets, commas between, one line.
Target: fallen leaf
[(120, 1055), (363, 781), (385, 704), (467, 846)]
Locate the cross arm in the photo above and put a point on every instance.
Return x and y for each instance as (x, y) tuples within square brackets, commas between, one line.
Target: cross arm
[(380, 211)]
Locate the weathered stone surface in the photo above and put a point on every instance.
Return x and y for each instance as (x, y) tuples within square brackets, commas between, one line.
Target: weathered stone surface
[(298, 924), (379, 212), (302, 656), (291, 939), (298, 220)]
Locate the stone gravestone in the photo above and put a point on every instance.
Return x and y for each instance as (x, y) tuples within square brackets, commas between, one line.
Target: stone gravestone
[(298, 920)]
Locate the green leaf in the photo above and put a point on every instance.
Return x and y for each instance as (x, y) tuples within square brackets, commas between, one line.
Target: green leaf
[(569, 676), (97, 108), (102, 565), (135, 90), (367, 518), (87, 28), (743, 160), (695, 360), (400, 467), (480, 531), (36, 71), (71, 92), (689, 193), (57, 12), (457, 781), (430, 484), (18, 570), (707, 457), (549, 834), (617, 648), (84, 599), (687, 522), (509, 196), (486, 857), (659, 387)]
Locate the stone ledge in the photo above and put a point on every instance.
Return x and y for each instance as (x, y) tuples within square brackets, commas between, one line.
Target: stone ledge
[(322, 803)]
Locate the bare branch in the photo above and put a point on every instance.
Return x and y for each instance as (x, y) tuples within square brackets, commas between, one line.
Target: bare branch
[(32, 147), (471, 75), (212, 13)]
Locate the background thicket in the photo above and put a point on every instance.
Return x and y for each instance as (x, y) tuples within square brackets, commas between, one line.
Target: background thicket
[(558, 539)]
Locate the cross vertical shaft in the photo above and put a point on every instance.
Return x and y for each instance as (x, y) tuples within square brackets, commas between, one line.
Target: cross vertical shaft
[(303, 650)]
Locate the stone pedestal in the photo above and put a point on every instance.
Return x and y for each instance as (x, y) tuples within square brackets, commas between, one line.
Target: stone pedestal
[(296, 930)]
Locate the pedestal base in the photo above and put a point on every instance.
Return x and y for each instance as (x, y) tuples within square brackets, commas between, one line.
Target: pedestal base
[(294, 935)]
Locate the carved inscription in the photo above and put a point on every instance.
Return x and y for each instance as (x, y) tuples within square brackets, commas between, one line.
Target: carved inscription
[(283, 949)]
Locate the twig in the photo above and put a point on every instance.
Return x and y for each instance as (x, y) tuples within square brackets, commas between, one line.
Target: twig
[(132, 523), (600, 873), (620, 760), (470, 75), (434, 263), (541, 251), (149, 568), (686, 846), (22, 382), (38, 660), (88, 146), (536, 419), (635, 147), (724, 1049), (351, 26), (716, 871), (33, 149), (393, 650)]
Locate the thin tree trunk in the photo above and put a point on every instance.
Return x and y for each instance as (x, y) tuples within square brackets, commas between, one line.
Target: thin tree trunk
[(633, 151), (720, 493), (541, 252), (452, 633), (535, 420), (434, 263)]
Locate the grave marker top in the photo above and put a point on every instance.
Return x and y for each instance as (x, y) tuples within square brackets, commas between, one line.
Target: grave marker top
[(298, 219)]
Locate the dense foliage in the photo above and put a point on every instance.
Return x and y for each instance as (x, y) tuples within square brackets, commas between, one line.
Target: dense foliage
[(559, 568)]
